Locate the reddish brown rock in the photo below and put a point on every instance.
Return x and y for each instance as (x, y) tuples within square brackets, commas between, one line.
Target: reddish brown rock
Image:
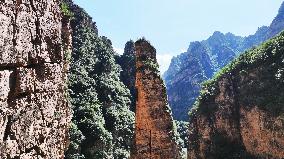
[(154, 129), (34, 114)]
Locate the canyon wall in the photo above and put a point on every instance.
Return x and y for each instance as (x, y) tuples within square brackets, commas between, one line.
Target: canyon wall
[(34, 114), (155, 135), (240, 111)]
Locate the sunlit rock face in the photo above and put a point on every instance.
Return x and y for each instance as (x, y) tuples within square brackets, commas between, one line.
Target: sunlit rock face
[(34, 114), (154, 129)]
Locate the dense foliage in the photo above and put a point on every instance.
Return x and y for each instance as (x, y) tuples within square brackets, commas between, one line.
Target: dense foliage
[(102, 123), (127, 62)]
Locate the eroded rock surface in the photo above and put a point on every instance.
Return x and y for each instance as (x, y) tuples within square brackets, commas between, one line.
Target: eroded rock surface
[(34, 114), (154, 129)]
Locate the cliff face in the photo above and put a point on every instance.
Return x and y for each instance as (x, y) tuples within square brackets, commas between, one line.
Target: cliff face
[(34, 115), (240, 111), (220, 49), (154, 129)]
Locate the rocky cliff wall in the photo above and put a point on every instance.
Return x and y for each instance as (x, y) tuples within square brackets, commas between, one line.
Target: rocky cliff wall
[(34, 114), (154, 129), (240, 112)]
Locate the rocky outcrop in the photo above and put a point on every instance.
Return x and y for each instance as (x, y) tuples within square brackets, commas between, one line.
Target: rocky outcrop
[(186, 71), (34, 114), (154, 129), (240, 111)]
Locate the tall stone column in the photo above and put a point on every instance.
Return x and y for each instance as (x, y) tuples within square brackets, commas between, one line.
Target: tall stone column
[(154, 129)]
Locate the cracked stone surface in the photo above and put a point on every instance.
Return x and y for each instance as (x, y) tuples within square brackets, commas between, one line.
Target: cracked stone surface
[(34, 114)]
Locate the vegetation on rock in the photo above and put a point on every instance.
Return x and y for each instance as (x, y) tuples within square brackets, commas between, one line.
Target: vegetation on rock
[(102, 123), (127, 61), (247, 94), (66, 10), (265, 90)]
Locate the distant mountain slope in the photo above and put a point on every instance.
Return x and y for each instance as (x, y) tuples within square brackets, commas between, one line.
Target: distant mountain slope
[(188, 70)]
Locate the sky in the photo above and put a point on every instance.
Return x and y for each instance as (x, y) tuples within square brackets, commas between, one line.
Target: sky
[(170, 25)]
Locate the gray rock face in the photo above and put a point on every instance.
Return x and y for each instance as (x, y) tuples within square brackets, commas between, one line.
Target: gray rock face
[(34, 114), (182, 87)]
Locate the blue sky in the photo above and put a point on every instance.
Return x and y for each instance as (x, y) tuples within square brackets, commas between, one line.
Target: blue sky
[(170, 25)]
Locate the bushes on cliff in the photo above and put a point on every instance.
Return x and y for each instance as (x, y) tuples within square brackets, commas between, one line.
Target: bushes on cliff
[(148, 59), (102, 122), (76, 138)]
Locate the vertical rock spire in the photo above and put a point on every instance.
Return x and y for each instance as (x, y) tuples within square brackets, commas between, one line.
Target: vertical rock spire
[(154, 129)]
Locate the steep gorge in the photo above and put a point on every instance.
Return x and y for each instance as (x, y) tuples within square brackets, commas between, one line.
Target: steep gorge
[(34, 114), (238, 115)]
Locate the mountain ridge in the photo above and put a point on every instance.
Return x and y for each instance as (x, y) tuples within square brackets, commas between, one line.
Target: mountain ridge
[(221, 49)]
